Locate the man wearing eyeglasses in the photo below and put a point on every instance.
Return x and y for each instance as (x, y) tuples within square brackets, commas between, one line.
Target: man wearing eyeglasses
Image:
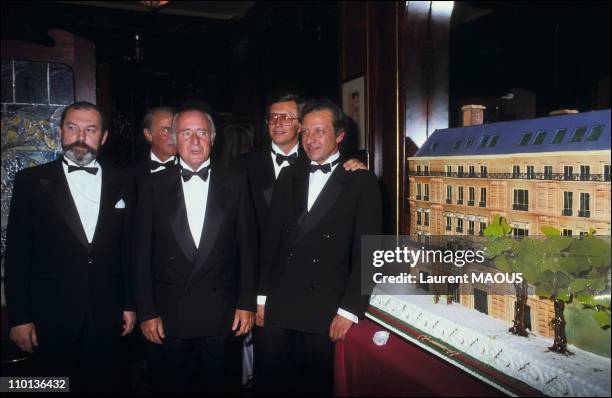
[(195, 262), (310, 278)]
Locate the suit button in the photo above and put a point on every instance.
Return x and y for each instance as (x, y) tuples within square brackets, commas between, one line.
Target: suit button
[(288, 230), (313, 286), (316, 261), (326, 236), (90, 261), (290, 255), (186, 289)]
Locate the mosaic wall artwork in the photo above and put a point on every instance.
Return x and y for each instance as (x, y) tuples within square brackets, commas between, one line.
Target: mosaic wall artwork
[(33, 97)]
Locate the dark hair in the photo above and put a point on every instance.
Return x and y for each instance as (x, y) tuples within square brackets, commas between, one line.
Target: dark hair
[(147, 120), (82, 105), (287, 97), (323, 104)]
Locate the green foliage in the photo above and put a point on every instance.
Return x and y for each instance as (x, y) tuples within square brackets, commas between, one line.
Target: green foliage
[(584, 329)]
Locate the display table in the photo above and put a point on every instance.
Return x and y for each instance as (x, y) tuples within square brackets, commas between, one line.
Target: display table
[(397, 368)]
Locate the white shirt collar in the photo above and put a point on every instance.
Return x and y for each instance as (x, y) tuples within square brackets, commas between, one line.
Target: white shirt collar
[(329, 159), (155, 158), (186, 166), (293, 150)]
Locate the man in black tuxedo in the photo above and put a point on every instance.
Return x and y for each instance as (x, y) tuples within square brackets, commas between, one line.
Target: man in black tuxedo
[(156, 128), (67, 282), (195, 260), (310, 277)]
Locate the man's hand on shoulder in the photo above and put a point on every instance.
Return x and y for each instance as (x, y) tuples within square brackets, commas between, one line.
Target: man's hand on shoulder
[(24, 336), (259, 316), (353, 165), (129, 320), (339, 328)]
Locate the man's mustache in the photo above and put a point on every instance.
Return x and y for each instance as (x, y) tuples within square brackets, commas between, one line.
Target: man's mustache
[(80, 145)]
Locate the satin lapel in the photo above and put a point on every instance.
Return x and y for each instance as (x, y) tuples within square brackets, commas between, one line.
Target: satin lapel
[(108, 200), (215, 211), (300, 198), (178, 216), (326, 199), (57, 187), (266, 177)]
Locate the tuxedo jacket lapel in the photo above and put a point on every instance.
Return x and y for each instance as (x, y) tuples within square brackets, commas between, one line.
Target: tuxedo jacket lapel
[(108, 200), (300, 198), (266, 177), (57, 186), (215, 211), (178, 217), (324, 202)]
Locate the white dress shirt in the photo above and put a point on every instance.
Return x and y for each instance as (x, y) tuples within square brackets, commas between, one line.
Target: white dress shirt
[(277, 167), (196, 196), (86, 190), (316, 183), (170, 160)]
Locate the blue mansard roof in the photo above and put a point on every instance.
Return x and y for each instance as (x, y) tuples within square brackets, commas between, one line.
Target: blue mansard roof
[(586, 131)]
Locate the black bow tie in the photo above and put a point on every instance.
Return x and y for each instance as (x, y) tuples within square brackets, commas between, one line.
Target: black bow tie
[(187, 174), (90, 170), (280, 158), (325, 168), (156, 165)]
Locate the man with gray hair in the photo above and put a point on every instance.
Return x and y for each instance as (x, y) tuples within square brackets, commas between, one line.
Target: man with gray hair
[(195, 262)]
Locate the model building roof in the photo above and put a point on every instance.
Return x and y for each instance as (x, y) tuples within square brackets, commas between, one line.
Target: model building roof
[(586, 131)]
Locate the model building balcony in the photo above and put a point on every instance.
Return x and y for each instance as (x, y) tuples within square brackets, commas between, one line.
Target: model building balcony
[(520, 206), (567, 212), (470, 231), (449, 228), (426, 198), (418, 197), (470, 203), (459, 229), (584, 213), (459, 201), (449, 201), (518, 176), (482, 204)]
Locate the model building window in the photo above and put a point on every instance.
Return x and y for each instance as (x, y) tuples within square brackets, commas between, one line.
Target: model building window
[(525, 139), (453, 292), (483, 141), (426, 219), (585, 173), (449, 171), (568, 172), (460, 196), (483, 225), (419, 217), (468, 143), (471, 196), (480, 301), (606, 172), (583, 234), (539, 138), (472, 171), (449, 194), (521, 200), (595, 132), (568, 201), (459, 171), (457, 145), (418, 193), (531, 172), (567, 232), (419, 170), (493, 141), (426, 197), (520, 232), (548, 171), (483, 197), (559, 134), (434, 145), (578, 134), (584, 205), (426, 170), (483, 171), (449, 223), (516, 171), (471, 225), (460, 225), (527, 318)]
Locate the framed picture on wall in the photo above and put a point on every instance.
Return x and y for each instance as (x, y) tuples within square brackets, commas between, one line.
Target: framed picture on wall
[(353, 105)]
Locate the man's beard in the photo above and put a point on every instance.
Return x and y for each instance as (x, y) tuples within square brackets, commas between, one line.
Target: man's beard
[(80, 158)]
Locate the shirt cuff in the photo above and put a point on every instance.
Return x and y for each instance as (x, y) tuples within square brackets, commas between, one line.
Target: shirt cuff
[(261, 300), (347, 315)]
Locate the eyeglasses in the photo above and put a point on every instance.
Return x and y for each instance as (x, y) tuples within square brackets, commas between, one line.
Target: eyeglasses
[(282, 118)]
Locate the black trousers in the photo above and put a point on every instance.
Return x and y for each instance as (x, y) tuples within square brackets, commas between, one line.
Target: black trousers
[(293, 363), (181, 367)]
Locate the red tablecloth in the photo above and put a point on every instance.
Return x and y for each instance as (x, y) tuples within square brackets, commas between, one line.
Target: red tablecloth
[(398, 368)]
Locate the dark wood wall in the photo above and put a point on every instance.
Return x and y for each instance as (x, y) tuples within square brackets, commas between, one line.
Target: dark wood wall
[(401, 48)]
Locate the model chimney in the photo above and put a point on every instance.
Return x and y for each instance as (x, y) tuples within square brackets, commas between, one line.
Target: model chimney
[(559, 112), (472, 114)]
